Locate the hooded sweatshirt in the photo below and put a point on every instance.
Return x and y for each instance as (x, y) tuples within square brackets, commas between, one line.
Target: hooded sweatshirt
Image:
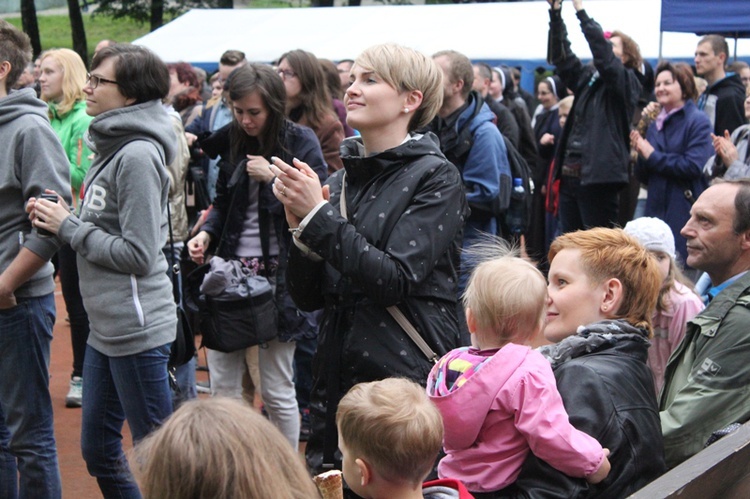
[(122, 228), (496, 406), (31, 160), (723, 102)]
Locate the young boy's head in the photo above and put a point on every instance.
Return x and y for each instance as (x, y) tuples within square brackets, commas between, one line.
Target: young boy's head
[(389, 432), (15, 50), (505, 301)]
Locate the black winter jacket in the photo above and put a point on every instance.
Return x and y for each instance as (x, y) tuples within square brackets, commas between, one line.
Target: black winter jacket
[(605, 98), (724, 103), (406, 210), (297, 142), (608, 392)]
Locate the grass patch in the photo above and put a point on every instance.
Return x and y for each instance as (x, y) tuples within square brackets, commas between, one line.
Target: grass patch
[(55, 30)]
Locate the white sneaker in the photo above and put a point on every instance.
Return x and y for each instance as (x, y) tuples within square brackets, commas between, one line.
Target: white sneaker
[(73, 399)]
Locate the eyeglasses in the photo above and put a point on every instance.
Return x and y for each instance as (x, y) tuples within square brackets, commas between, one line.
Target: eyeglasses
[(287, 73), (93, 81)]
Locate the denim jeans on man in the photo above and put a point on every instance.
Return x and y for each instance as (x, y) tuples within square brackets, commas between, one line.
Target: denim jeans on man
[(28, 455), (133, 387)]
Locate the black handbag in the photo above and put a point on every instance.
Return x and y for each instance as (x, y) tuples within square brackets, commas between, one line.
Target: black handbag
[(183, 346), (228, 325), (231, 325)]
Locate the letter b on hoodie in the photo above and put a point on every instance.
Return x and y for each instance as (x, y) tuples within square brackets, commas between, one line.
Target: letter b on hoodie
[(95, 198)]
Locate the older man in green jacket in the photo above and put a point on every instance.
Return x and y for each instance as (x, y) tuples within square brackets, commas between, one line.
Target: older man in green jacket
[(707, 383)]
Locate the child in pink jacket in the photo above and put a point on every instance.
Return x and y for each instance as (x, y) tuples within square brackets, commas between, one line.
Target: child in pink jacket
[(677, 304), (498, 398)]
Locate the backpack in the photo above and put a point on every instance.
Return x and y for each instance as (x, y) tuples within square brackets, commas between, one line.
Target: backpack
[(457, 149), (519, 207), (504, 204)]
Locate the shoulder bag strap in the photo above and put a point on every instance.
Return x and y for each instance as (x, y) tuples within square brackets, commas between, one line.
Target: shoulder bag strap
[(232, 204), (395, 312)]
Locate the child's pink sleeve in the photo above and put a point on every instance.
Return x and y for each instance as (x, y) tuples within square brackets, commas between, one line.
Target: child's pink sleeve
[(541, 417), (686, 307)]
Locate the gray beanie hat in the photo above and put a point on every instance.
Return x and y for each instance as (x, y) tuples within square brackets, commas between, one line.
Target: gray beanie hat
[(654, 234)]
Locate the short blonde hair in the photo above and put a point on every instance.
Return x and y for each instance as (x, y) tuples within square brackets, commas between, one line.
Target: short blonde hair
[(219, 448), (508, 295), (405, 70), (394, 426), (73, 80), (612, 253)]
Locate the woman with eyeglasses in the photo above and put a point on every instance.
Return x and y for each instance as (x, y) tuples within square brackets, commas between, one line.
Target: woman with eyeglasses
[(255, 233), (308, 102), (118, 235), (62, 76)]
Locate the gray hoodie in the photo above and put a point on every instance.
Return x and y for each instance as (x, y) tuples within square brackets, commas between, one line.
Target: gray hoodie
[(122, 228), (31, 160)]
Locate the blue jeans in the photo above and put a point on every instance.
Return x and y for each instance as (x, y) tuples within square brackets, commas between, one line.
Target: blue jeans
[(133, 387), (27, 437)]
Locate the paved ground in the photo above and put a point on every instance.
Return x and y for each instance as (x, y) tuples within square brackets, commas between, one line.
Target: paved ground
[(77, 484)]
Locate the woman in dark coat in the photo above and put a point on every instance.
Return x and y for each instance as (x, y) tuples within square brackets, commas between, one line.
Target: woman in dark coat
[(603, 287), (384, 232), (675, 150), (258, 131)]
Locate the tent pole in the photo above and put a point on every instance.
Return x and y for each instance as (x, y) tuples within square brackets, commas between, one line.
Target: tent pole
[(661, 38)]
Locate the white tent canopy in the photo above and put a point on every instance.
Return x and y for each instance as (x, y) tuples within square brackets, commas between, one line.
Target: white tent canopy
[(515, 33)]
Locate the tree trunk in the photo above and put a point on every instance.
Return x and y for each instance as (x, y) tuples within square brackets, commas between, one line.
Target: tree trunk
[(77, 30), (30, 25), (157, 14)]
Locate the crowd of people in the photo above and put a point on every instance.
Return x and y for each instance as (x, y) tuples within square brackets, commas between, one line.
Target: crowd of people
[(426, 344)]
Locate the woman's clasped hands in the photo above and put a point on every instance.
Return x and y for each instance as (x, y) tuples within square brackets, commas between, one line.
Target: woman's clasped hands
[(297, 187)]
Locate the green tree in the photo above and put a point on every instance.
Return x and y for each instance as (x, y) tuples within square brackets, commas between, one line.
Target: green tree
[(152, 12)]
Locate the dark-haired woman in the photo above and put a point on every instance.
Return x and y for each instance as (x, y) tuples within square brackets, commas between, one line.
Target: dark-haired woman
[(308, 102), (118, 235), (184, 91), (674, 152), (258, 131)]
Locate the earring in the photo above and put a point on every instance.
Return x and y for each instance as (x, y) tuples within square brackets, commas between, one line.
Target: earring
[(605, 308), (406, 110)]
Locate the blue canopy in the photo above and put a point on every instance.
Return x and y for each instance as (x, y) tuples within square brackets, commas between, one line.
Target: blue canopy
[(730, 18)]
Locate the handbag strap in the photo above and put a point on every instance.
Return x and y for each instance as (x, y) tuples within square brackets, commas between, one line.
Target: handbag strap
[(395, 312), (232, 203), (263, 219), (407, 326)]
